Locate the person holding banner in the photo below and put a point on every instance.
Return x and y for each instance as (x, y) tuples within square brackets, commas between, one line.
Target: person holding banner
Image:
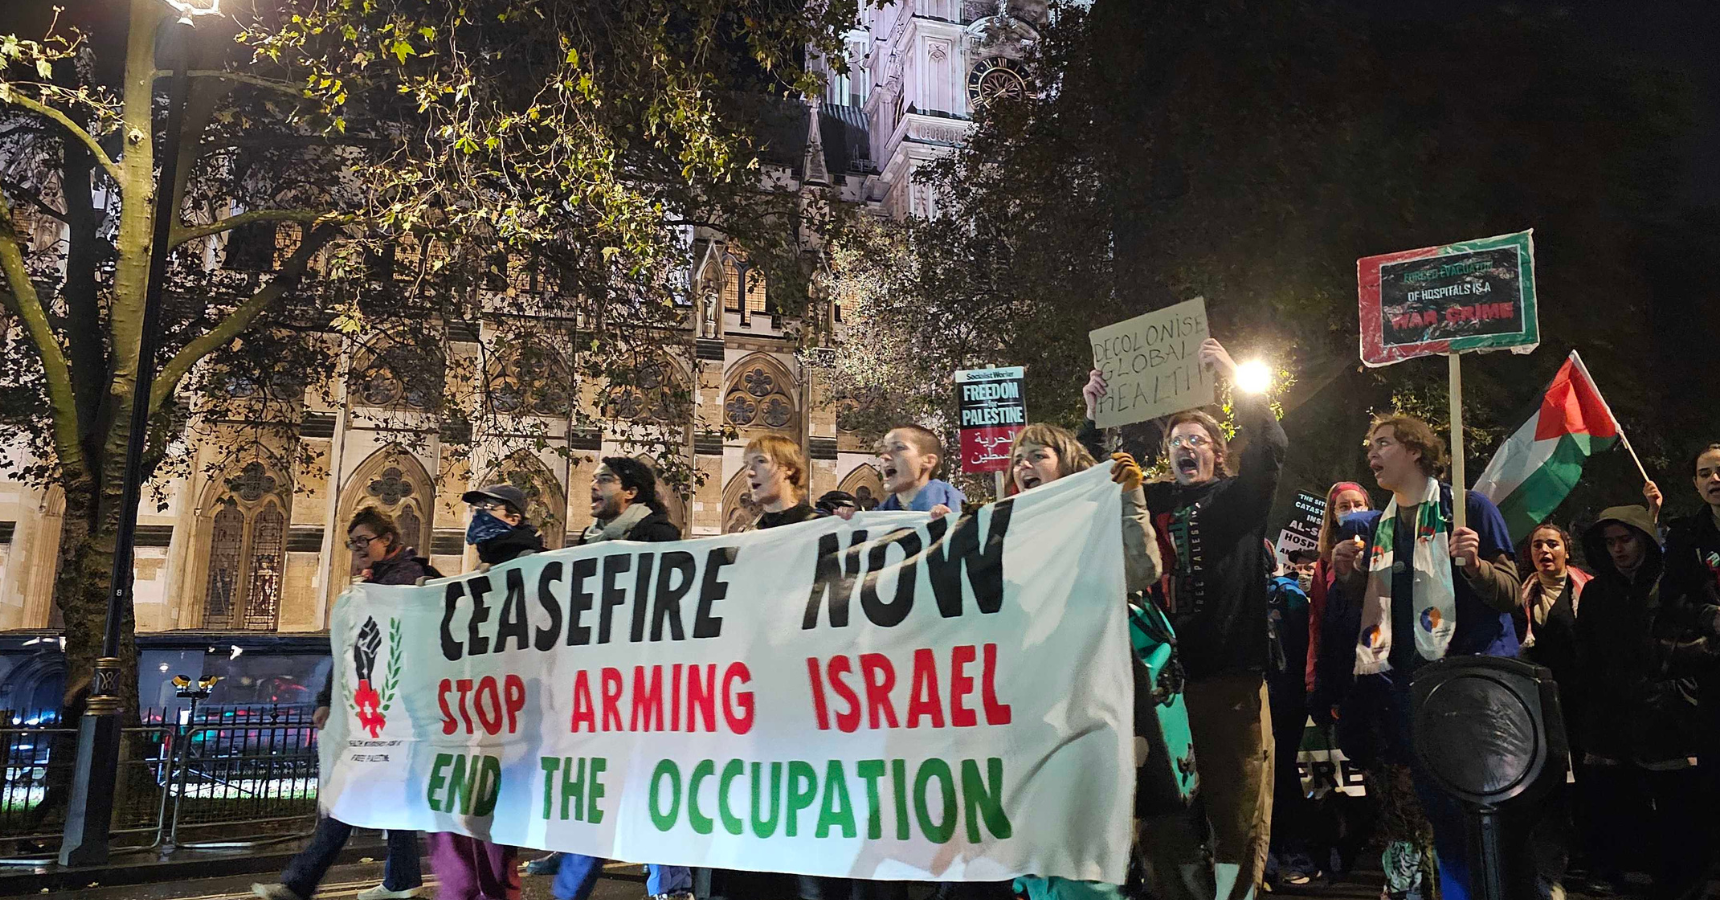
[(776, 473), (471, 868), (909, 458), (1042, 454), (383, 558), (1211, 530), (624, 507), (1423, 590)]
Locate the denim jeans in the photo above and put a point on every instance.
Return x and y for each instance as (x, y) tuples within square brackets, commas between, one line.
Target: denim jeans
[(578, 876), (306, 870)]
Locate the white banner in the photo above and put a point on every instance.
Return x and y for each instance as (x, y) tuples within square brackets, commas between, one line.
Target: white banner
[(894, 697)]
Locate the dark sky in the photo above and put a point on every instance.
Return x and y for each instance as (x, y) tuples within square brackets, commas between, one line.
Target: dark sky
[(1678, 35), (1681, 36)]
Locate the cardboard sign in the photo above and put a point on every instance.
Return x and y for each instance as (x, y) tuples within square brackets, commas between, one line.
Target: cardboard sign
[(992, 410), (1302, 532), (1152, 364), (1474, 295)]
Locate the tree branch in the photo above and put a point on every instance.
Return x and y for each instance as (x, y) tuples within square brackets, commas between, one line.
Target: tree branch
[(64, 121), (283, 87), (24, 302), (241, 318), (312, 216), (33, 198)]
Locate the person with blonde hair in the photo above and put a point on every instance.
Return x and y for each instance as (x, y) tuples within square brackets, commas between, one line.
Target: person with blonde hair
[(1040, 455), (776, 476)]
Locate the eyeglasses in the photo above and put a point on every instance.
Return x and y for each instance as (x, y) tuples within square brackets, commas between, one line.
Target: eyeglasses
[(1191, 441), (359, 543), (491, 506)]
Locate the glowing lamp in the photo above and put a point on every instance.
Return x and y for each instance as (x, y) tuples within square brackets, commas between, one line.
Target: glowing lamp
[(1253, 377)]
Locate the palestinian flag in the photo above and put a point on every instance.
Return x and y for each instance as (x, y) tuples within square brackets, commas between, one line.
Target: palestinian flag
[(1536, 468)]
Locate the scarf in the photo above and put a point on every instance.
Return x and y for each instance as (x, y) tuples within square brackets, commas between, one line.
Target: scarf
[(616, 529), (485, 527), (1434, 595)]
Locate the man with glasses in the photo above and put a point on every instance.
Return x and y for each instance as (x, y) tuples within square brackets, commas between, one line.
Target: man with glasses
[(1212, 540), (380, 555), (624, 507)]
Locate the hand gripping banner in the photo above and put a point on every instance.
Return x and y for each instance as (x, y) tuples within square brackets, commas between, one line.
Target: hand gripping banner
[(894, 697)]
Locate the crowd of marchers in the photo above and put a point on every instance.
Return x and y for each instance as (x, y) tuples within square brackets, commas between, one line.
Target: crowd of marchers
[(1239, 652)]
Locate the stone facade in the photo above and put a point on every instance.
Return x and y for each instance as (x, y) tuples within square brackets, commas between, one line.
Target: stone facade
[(257, 544)]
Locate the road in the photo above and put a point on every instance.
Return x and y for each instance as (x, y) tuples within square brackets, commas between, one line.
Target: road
[(620, 883)]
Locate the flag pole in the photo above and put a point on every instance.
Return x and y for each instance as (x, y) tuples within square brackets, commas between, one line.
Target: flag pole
[(1623, 438), (1633, 457), (1459, 509)]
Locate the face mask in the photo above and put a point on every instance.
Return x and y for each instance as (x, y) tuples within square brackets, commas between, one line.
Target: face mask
[(1305, 581), (485, 527)]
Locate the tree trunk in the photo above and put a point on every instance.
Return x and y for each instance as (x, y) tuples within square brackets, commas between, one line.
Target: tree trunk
[(87, 541)]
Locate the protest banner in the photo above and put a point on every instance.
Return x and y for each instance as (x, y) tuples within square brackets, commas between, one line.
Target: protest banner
[(896, 697), (1470, 296), (992, 409), (1151, 364), (1302, 532)]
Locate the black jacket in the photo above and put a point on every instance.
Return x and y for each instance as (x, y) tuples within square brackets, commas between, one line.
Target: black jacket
[(794, 515), (405, 567), (518, 541), (655, 527), (1692, 585), (1633, 707), (1211, 540)]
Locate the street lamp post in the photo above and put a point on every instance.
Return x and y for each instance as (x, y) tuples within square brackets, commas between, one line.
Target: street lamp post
[(90, 809)]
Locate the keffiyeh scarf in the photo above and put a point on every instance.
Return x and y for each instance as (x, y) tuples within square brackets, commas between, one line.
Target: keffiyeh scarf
[(1435, 595)]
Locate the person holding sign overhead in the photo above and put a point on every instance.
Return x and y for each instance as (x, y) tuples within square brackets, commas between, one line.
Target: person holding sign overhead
[(1211, 532)]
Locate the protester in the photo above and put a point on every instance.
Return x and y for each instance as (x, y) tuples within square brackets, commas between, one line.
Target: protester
[(910, 457), (1422, 589), (471, 868), (776, 475), (624, 507), (1546, 626), (1639, 716), (1042, 454), (1546, 620), (1691, 592), (383, 558), (1210, 530), (1342, 498), (1289, 861)]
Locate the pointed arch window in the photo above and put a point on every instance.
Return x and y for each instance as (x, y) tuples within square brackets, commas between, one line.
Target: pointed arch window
[(246, 553), (743, 284)]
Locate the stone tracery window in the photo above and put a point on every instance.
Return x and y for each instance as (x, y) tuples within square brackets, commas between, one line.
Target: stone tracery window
[(655, 396), (397, 376), (759, 398), (531, 379), (246, 552)]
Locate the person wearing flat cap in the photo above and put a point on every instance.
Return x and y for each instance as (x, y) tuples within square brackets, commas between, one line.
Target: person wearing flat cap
[(499, 528)]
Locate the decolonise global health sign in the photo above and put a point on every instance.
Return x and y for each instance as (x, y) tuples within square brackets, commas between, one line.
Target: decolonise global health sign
[(894, 697)]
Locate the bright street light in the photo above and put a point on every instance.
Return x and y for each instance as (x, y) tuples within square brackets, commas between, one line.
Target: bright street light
[(1253, 377)]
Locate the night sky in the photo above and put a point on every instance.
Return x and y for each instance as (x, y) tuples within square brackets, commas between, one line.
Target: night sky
[(1682, 36)]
